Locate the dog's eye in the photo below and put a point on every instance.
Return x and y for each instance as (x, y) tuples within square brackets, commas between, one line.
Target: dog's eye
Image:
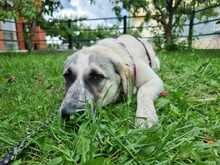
[(69, 76), (96, 77)]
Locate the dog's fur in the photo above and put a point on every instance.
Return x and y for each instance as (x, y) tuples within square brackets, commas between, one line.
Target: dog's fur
[(102, 72)]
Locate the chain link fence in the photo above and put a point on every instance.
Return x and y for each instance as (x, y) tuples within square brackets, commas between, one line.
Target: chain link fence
[(73, 34)]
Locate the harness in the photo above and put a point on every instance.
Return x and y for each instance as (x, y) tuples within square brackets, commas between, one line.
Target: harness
[(146, 51), (132, 58)]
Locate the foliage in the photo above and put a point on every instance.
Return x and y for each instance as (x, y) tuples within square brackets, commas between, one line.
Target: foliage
[(80, 34), (165, 13), (188, 131), (170, 15), (29, 9), (190, 9)]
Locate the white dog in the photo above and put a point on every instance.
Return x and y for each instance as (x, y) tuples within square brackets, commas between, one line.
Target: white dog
[(108, 69)]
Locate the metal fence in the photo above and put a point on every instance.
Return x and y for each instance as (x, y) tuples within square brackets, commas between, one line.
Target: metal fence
[(70, 34)]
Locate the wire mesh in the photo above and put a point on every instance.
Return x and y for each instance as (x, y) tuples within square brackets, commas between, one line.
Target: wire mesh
[(70, 34)]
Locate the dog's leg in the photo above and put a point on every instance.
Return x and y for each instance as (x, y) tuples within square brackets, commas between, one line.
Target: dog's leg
[(146, 114)]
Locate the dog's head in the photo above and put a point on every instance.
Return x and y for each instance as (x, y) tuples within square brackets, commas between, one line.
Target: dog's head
[(92, 78)]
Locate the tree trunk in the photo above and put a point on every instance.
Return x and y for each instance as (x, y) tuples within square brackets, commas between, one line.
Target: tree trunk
[(168, 33), (168, 27)]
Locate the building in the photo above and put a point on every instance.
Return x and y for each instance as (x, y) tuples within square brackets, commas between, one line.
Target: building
[(12, 36)]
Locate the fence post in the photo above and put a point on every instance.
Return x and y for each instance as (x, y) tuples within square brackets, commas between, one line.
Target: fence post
[(70, 41), (191, 26), (125, 24)]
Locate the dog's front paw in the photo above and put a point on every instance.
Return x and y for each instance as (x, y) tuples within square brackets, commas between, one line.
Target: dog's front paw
[(142, 122)]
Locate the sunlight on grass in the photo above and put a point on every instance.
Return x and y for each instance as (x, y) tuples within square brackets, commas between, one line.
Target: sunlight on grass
[(31, 88)]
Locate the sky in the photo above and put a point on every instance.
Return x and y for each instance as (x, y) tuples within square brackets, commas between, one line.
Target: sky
[(73, 9), (83, 8)]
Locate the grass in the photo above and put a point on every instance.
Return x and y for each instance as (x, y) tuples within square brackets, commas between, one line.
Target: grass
[(31, 88)]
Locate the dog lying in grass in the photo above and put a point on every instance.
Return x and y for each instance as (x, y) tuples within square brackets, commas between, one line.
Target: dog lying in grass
[(108, 69)]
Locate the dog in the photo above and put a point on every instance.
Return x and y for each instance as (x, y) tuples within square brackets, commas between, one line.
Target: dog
[(112, 67)]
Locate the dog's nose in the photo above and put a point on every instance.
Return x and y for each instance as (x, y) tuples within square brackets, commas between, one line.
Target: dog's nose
[(68, 109), (65, 114)]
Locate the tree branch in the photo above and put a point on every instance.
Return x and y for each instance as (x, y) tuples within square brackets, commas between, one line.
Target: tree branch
[(159, 19), (177, 19), (157, 7), (162, 16), (177, 4)]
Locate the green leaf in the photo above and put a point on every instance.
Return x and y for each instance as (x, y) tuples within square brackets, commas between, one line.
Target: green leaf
[(55, 161), (17, 162), (99, 161)]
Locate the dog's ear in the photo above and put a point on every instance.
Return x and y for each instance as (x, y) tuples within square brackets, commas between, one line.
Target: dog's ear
[(126, 74)]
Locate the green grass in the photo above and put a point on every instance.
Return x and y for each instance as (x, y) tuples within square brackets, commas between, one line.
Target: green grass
[(31, 88)]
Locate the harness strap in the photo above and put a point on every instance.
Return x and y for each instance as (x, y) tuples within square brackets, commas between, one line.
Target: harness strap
[(131, 57), (147, 53)]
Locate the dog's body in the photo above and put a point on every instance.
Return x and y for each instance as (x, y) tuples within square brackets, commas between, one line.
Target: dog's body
[(101, 72)]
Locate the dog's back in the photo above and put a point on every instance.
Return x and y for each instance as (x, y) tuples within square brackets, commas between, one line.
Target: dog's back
[(137, 48), (142, 49)]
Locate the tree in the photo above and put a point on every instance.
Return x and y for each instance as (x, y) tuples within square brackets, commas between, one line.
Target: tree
[(28, 9), (164, 12), (191, 8), (169, 14), (79, 34)]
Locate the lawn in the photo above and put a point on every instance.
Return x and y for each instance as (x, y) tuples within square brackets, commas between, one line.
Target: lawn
[(31, 88)]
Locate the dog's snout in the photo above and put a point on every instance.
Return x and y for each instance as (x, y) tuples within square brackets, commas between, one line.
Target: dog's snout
[(75, 101), (67, 109), (65, 114)]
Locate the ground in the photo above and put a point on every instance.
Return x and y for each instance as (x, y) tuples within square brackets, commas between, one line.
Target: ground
[(31, 88)]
